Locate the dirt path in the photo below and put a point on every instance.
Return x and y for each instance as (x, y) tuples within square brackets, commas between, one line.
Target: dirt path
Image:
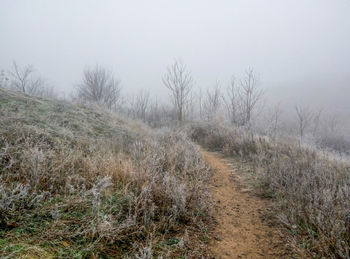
[(240, 230)]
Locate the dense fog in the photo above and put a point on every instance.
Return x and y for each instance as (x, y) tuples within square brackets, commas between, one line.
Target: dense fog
[(299, 49)]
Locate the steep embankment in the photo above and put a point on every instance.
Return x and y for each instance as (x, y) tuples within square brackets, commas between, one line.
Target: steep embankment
[(240, 231)]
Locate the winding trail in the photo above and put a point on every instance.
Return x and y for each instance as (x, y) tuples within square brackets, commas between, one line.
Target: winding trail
[(240, 232)]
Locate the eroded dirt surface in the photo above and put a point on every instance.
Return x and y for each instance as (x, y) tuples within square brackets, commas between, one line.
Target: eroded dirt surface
[(241, 231)]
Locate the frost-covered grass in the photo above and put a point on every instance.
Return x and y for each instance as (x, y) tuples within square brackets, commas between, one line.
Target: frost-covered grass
[(311, 187), (78, 182)]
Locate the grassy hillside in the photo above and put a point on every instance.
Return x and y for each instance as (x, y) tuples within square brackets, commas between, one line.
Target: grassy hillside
[(79, 182), (59, 120)]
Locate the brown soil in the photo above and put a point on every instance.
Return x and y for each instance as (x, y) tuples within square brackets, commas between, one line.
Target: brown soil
[(241, 231)]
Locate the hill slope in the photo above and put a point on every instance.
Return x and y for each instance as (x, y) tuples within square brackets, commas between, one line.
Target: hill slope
[(58, 119), (79, 182)]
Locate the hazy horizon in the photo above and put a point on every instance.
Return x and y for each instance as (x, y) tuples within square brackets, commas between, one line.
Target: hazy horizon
[(299, 49)]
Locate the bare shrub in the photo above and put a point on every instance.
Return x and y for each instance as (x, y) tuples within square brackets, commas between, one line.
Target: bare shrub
[(24, 80), (99, 86), (338, 143)]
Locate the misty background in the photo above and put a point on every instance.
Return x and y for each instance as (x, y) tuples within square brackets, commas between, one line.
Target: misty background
[(299, 49)]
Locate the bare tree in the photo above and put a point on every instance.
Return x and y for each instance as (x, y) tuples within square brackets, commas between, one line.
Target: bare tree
[(273, 121), (249, 95), (190, 106), (212, 102), (200, 100), (99, 86), (154, 117), (23, 80), (141, 104), (304, 118), (179, 81), (316, 122), (231, 101)]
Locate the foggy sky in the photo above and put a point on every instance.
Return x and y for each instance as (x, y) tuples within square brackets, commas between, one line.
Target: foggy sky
[(299, 48)]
